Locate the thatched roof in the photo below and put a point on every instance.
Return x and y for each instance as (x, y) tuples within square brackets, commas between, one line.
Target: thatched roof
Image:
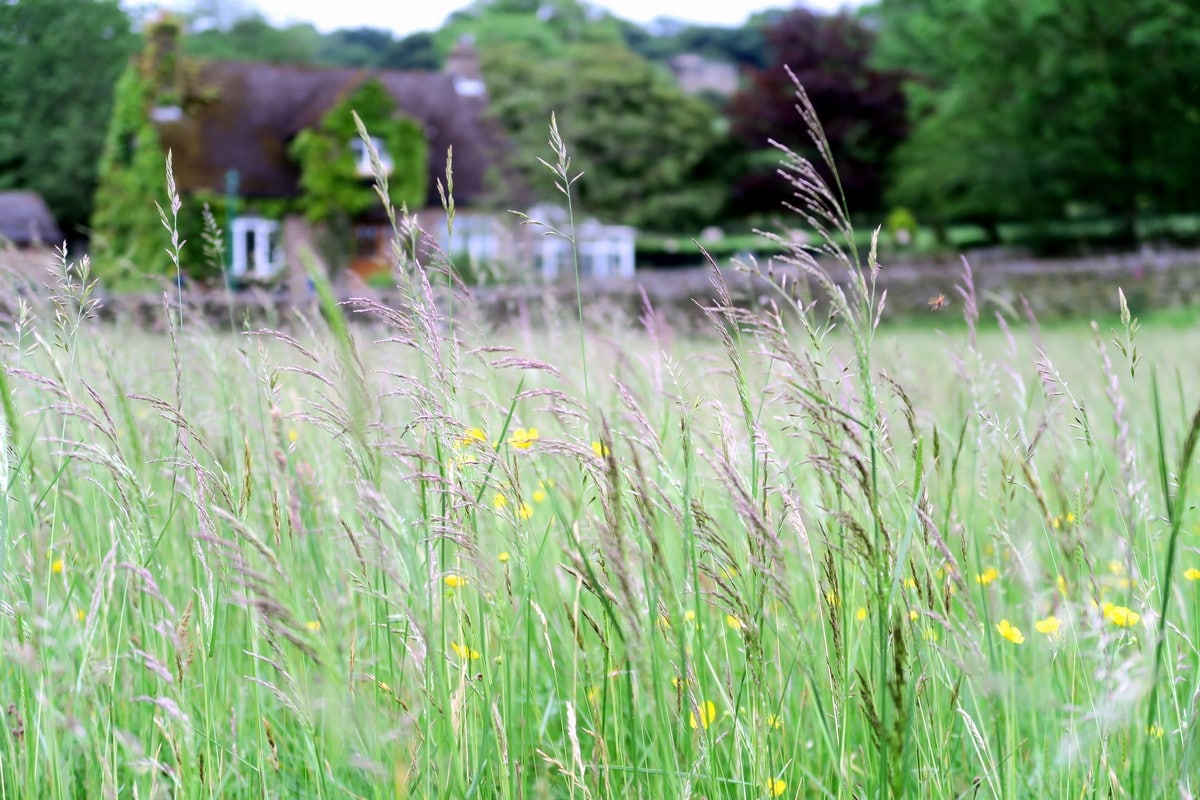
[(244, 116), (25, 219)]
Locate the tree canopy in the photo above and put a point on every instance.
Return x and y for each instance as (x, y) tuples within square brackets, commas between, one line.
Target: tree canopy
[(861, 109), (1036, 108), (55, 113), (642, 144)]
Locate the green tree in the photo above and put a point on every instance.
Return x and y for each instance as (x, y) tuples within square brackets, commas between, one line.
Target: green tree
[(642, 143), (860, 106), (252, 38), (59, 60), (543, 28), (1025, 108)]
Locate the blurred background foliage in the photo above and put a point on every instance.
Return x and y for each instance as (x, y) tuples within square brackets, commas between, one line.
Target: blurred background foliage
[(1052, 124)]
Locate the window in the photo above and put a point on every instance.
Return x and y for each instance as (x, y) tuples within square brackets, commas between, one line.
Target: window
[(362, 157), (255, 249)]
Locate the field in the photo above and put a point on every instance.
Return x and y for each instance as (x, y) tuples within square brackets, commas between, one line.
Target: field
[(782, 561)]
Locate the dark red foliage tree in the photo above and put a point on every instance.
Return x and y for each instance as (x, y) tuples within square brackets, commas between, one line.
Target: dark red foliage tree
[(860, 106)]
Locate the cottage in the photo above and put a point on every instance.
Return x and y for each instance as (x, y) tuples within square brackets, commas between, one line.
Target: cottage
[(25, 221), (275, 151), (261, 143)]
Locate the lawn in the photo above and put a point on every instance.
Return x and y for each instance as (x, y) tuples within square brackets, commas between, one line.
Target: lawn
[(425, 561)]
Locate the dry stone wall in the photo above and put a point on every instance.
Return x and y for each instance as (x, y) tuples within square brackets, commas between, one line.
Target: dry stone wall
[(1053, 289)]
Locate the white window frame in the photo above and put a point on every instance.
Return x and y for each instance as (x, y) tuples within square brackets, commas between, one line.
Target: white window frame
[(265, 261), (362, 156)]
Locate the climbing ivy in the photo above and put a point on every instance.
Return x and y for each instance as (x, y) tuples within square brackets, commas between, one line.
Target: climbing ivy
[(128, 238), (332, 190), (129, 242)]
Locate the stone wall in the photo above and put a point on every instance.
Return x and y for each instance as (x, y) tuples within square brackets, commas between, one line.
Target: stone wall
[(1053, 289)]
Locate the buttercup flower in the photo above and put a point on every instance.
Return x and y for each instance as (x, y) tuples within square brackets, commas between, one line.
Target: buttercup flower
[(1192, 574), (1048, 626), (455, 581), (524, 511), (464, 652), (776, 787), (987, 576), (313, 625), (1010, 632), (1120, 616), (600, 449), (472, 435), (499, 501), (733, 622), (523, 438), (707, 715), (504, 556), (56, 566), (861, 614)]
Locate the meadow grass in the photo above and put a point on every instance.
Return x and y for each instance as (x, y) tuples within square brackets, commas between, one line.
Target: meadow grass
[(797, 558)]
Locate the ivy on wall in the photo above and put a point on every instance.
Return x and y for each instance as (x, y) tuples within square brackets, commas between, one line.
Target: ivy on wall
[(332, 190), (129, 242), (128, 237)]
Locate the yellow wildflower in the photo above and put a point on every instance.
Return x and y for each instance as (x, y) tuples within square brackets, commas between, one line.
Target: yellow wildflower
[(499, 501), (1061, 583), (931, 635), (313, 625), (523, 438), (600, 449), (1056, 523), (832, 599), (663, 622), (689, 616), (1010, 632), (539, 496), (504, 556), (774, 722), (464, 652), (56, 566), (1155, 731), (1192, 574), (733, 622), (729, 572), (910, 583), (1121, 616), (472, 435), (455, 581), (293, 435), (987, 576), (1116, 567), (707, 714), (861, 614), (1069, 518), (912, 615), (776, 787), (80, 614), (1048, 626), (524, 511)]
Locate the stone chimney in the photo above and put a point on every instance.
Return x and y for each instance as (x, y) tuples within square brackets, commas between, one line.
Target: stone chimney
[(463, 65)]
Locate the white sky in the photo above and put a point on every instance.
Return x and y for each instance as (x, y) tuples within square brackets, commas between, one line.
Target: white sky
[(406, 16)]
